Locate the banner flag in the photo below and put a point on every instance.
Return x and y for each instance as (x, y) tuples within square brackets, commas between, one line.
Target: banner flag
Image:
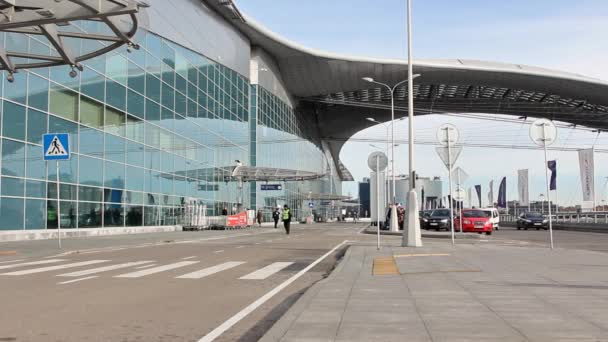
[(522, 187), (585, 160), (552, 165), (502, 193), (478, 189), (491, 194)]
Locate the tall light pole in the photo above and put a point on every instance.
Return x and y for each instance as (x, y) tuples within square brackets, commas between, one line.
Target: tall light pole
[(392, 92)]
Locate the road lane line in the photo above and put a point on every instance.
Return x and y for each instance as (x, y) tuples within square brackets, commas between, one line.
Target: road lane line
[(220, 251), (31, 263), (9, 261), (215, 333), (190, 257), (54, 268), (267, 271), (75, 280), (145, 266), (240, 247), (211, 270), (104, 269), (154, 270)]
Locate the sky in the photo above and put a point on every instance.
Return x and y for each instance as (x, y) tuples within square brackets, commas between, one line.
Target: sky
[(557, 34)]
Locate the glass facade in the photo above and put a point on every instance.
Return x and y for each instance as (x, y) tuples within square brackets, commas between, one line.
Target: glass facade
[(150, 131)]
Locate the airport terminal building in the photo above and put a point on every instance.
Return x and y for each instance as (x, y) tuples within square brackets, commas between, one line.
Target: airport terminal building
[(155, 129)]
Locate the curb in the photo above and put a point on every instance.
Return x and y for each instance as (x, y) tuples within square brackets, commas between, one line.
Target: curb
[(446, 235)]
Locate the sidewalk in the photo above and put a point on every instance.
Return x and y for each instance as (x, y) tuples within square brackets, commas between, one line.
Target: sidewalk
[(470, 292)]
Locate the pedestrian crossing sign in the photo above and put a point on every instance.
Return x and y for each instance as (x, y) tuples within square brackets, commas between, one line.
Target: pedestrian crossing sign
[(56, 146)]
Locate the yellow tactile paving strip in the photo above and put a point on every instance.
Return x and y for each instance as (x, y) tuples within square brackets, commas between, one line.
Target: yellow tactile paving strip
[(385, 266), (8, 252), (419, 255)]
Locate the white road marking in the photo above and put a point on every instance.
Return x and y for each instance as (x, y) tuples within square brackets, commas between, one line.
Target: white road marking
[(257, 243), (145, 266), (215, 333), (104, 269), (267, 271), (211, 270), (240, 247), (9, 261), (50, 261), (220, 251), (54, 268), (268, 240), (75, 280), (190, 257), (154, 270)]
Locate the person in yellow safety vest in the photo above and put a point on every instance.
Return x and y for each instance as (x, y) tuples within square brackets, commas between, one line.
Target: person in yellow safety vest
[(51, 217), (286, 215)]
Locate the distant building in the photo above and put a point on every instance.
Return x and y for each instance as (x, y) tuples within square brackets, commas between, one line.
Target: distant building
[(535, 206), (364, 187), (429, 190)]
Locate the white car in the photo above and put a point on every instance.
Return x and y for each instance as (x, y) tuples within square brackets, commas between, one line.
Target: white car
[(494, 216)]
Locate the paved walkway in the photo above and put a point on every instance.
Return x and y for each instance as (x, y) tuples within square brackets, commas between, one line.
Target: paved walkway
[(471, 292)]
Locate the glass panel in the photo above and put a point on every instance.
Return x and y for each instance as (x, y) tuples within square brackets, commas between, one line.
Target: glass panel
[(137, 79), (91, 171), (36, 125), (134, 216), (116, 68), (90, 194), (68, 170), (114, 175), (16, 91), (151, 216), (13, 121), (135, 104), (115, 122), (93, 84), (168, 96), (63, 102), (152, 158), (57, 125), (89, 215), (13, 158), (35, 212), (113, 195), (152, 111), (38, 94), (135, 178), (135, 154), (11, 211), (35, 165), (91, 141), (35, 189), (135, 128), (68, 214), (153, 87), (91, 112), (115, 148), (113, 215), (116, 95), (134, 197), (12, 186)]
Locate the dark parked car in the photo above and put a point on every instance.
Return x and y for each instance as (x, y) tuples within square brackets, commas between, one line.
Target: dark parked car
[(532, 220), (439, 219), (424, 218)]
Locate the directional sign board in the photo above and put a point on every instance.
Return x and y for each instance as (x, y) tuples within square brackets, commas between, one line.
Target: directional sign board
[(543, 132), (56, 146), (271, 187), (459, 194), (443, 154)]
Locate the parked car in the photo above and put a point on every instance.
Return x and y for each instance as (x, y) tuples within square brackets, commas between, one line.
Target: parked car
[(494, 217), (475, 220), (424, 218), (532, 220), (440, 219)]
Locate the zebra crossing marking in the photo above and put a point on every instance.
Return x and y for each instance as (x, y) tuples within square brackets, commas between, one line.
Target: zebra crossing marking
[(31, 263), (145, 266), (153, 270), (267, 271), (104, 269), (9, 261), (211, 270), (76, 280), (54, 268)]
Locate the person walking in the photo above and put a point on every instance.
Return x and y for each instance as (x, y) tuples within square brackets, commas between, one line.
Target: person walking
[(286, 218), (259, 217), (276, 215), (400, 216)]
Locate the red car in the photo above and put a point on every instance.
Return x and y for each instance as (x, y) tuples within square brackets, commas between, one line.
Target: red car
[(474, 220)]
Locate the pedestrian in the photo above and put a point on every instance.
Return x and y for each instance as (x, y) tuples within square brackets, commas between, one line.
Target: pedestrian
[(225, 212), (276, 215), (259, 217), (400, 216), (286, 218)]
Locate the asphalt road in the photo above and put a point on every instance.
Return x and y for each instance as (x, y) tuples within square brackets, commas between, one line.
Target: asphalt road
[(561, 239), (161, 287)]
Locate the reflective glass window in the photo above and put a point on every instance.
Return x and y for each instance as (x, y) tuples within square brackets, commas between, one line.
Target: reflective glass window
[(63, 102), (113, 215), (135, 128), (11, 211), (89, 215), (93, 84), (137, 80), (13, 158), (166, 140), (61, 75), (116, 68), (38, 94), (91, 112), (68, 214), (152, 135), (58, 125), (114, 175), (35, 213), (17, 90), (166, 162), (91, 171), (168, 96), (13, 121), (35, 189), (134, 216), (167, 119), (168, 75), (166, 183), (12, 186), (35, 164), (153, 44), (36, 125), (152, 111), (66, 191), (115, 121), (90, 194), (91, 141), (180, 104), (181, 84), (153, 87), (135, 104), (135, 178), (132, 197), (68, 170), (116, 95), (135, 153), (115, 148), (152, 158)]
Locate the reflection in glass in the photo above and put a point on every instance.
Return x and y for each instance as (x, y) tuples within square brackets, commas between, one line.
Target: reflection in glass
[(89, 215)]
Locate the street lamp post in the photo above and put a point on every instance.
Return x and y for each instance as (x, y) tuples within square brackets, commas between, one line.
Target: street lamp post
[(394, 226)]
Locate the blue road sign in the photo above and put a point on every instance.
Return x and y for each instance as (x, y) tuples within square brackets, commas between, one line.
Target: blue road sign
[(56, 146), (271, 187), (310, 204)]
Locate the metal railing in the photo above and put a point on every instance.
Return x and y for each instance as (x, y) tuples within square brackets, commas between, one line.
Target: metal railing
[(595, 217)]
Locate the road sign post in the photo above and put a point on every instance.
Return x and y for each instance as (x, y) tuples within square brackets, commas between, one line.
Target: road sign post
[(448, 135), (543, 133), (56, 146), (377, 161)]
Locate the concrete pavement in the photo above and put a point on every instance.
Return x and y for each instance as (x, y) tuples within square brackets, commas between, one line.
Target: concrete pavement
[(481, 291)]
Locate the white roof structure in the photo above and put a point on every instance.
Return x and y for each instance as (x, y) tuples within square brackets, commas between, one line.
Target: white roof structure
[(329, 86)]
